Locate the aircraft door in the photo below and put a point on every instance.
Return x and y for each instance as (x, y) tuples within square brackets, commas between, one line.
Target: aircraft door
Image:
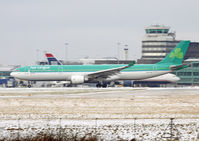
[(27, 71), (154, 67), (60, 69)]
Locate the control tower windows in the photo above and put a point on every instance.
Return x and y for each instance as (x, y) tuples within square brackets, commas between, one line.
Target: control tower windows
[(155, 31)]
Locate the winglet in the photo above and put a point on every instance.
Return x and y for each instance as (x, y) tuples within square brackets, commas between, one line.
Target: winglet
[(131, 64), (174, 68)]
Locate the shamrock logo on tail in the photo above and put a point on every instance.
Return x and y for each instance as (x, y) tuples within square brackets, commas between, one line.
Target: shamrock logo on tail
[(176, 54)]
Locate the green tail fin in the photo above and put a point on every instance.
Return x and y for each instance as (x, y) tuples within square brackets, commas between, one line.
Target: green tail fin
[(176, 56)]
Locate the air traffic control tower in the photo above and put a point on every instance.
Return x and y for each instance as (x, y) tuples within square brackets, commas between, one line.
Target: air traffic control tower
[(156, 44)]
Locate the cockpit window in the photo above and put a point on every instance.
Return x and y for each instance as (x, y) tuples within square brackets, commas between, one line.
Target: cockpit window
[(16, 70)]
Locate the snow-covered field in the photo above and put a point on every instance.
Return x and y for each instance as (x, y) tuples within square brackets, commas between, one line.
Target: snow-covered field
[(125, 129), (73, 112)]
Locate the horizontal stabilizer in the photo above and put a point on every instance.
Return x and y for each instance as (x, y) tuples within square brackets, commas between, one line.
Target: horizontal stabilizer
[(173, 68)]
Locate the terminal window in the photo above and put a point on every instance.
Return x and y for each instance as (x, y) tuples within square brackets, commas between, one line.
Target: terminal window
[(195, 64), (196, 73), (196, 80), (184, 73), (4, 73)]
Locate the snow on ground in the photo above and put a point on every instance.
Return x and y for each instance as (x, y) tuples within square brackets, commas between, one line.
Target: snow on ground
[(141, 129), (108, 113)]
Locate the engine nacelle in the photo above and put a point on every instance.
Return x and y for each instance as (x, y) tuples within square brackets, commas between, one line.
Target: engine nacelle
[(77, 79)]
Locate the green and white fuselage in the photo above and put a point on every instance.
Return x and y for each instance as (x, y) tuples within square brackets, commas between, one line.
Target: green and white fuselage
[(65, 72), (94, 73)]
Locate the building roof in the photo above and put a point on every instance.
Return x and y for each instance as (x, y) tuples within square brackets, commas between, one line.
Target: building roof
[(157, 27), (7, 68), (192, 60)]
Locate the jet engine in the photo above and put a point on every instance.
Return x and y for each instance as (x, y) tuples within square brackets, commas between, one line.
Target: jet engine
[(77, 79)]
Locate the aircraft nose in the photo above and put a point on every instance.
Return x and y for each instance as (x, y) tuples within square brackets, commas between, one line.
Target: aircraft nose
[(13, 74)]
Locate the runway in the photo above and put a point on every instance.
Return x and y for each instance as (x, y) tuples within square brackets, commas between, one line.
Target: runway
[(100, 103)]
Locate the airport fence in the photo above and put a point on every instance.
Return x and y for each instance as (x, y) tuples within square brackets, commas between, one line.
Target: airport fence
[(99, 129)]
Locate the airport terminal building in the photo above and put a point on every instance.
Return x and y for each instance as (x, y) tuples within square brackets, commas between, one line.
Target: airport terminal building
[(5, 79), (189, 76)]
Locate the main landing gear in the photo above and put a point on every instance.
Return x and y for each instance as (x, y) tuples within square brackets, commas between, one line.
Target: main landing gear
[(29, 84), (101, 85)]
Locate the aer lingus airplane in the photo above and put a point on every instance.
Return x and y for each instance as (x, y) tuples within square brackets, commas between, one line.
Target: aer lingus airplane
[(78, 74)]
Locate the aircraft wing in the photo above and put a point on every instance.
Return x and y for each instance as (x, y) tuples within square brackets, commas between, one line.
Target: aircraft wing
[(103, 74), (173, 68)]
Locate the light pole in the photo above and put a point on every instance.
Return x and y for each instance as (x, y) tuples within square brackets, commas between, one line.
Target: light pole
[(66, 51), (126, 52)]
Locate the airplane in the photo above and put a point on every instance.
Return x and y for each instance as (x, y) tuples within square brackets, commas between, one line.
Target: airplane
[(78, 74), (164, 79)]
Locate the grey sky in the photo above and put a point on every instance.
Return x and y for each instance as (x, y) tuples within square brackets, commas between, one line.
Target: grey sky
[(91, 27)]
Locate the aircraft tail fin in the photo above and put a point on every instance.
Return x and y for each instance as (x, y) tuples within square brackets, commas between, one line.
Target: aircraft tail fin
[(176, 56), (52, 60)]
